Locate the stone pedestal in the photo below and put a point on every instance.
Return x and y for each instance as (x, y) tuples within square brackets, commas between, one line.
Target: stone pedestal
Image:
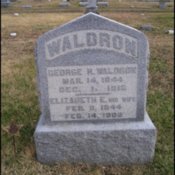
[(101, 143)]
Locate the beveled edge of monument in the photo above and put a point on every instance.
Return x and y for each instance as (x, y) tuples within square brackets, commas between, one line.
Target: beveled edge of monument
[(39, 52)]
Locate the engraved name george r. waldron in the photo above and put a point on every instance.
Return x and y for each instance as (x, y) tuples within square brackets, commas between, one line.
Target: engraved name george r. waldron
[(97, 91)]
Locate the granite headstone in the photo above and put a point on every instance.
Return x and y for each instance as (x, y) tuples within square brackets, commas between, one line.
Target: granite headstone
[(83, 2), (102, 3), (64, 3), (91, 6), (27, 6), (92, 81), (5, 3), (162, 4)]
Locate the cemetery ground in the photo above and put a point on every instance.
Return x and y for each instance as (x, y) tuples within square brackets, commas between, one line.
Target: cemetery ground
[(20, 107), (43, 6)]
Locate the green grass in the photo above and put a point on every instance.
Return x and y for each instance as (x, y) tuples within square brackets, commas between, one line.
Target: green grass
[(20, 98)]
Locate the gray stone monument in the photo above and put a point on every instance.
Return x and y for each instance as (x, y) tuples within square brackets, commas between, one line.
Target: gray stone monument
[(5, 3), (92, 81), (83, 2), (64, 3), (102, 3), (26, 6), (92, 6), (162, 4)]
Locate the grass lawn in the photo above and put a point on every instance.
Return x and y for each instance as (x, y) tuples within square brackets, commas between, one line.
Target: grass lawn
[(20, 97)]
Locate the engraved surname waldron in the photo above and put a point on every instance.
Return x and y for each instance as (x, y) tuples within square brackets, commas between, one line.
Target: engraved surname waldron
[(87, 39)]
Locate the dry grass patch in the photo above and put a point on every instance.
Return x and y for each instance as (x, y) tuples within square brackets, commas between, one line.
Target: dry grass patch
[(161, 63), (33, 25), (132, 19)]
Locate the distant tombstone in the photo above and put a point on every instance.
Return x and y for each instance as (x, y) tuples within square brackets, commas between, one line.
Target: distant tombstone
[(92, 81), (27, 6), (92, 6), (162, 4), (146, 27), (83, 2), (5, 3), (64, 3), (102, 3)]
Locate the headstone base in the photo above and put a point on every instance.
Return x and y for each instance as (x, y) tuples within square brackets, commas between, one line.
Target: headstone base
[(99, 143)]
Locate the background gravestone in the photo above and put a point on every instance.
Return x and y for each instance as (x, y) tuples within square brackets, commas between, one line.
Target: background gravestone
[(64, 3), (101, 3), (83, 2), (5, 3), (91, 6), (162, 4), (92, 79)]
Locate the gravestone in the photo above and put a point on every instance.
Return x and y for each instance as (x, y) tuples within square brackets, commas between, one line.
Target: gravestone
[(92, 81), (64, 3), (91, 7), (83, 2), (162, 4), (27, 6), (146, 27), (102, 3), (5, 3)]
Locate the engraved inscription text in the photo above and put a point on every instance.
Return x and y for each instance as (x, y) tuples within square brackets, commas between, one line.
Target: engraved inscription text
[(91, 39), (92, 92)]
